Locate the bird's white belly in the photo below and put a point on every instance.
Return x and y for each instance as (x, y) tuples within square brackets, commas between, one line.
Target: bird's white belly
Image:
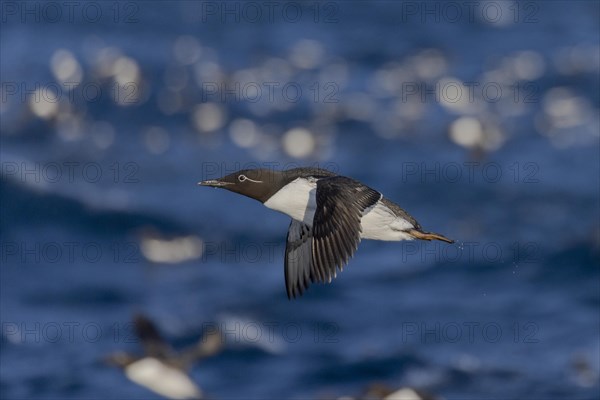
[(296, 199), (163, 379), (380, 223)]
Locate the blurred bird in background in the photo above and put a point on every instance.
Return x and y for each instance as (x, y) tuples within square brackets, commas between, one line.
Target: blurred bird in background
[(160, 368)]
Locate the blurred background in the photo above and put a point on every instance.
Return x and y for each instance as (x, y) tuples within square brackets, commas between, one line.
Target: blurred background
[(481, 119)]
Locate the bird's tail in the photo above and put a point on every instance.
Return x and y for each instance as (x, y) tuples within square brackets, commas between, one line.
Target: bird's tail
[(429, 236)]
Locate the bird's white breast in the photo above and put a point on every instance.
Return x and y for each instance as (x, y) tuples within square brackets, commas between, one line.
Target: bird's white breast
[(163, 379), (296, 199), (380, 223)]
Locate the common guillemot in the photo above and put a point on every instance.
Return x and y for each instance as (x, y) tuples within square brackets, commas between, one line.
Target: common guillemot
[(330, 215), (161, 369)]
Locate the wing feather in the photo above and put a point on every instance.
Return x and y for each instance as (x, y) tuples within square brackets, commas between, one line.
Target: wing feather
[(298, 255), (315, 254), (336, 226)]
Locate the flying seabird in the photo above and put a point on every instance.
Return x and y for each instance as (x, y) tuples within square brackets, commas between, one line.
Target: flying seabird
[(330, 215), (161, 369)]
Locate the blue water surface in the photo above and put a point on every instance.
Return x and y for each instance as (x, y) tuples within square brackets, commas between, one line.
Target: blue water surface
[(102, 217)]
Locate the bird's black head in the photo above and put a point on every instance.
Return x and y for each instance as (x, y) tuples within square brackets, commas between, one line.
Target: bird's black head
[(258, 184)]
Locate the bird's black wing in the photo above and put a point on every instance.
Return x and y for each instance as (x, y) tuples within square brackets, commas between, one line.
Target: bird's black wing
[(336, 224), (153, 343), (298, 258), (312, 254)]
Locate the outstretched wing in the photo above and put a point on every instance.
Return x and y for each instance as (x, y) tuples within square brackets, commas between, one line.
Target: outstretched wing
[(298, 258), (312, 254), (211, 343), (153, 343), (336, 225)]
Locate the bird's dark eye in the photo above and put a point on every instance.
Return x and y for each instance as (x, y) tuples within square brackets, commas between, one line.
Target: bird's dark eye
[(242, 178)]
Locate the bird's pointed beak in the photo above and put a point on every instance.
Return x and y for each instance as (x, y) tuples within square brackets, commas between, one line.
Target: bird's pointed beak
[(214, 183)]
